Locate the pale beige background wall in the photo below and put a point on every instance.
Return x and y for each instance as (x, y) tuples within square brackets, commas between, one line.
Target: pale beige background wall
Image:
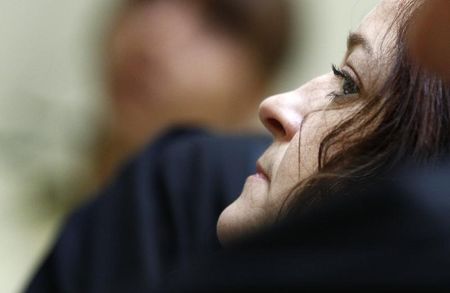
[(51, 101), (321, 27)]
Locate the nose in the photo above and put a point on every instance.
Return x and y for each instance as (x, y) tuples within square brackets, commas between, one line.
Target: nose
[(281, 115)]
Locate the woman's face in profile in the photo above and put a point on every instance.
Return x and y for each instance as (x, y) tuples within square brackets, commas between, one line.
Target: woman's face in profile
[(300, 119)]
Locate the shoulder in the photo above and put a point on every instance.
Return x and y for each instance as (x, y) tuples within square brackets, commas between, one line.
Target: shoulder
[(188, 147), (187, 160), (187, 140)]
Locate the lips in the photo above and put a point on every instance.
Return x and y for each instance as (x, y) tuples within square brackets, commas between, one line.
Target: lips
[(261, 171)]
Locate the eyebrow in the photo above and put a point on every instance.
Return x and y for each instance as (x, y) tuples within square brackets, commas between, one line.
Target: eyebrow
[(357, 39)]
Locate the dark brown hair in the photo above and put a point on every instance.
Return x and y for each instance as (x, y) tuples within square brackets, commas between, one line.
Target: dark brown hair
[(262, 25), (406, 120)]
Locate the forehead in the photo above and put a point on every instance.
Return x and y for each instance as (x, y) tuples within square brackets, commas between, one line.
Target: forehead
[(374, 60), (379, 26)]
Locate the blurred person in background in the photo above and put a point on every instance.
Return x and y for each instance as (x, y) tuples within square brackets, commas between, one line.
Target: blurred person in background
[(203, 63)]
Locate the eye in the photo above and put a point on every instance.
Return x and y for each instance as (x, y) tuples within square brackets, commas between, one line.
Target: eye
[(348, 88)]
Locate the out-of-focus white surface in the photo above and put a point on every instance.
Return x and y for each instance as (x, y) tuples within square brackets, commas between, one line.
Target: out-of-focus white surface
[(51, 104), (320, 39)]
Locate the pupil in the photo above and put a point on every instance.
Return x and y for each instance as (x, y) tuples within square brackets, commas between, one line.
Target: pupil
[(349, 88)]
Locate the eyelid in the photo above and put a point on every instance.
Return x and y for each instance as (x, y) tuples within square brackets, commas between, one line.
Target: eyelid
[(354, 75)]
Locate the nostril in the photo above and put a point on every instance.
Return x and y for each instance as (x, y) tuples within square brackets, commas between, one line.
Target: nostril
[(275, 126)]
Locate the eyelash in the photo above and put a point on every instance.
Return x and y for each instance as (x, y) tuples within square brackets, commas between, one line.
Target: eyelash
[(349, 86)]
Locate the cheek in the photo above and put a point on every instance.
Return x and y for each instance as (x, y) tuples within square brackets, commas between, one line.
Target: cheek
[(313, 133), (287, 174), (300, 159)]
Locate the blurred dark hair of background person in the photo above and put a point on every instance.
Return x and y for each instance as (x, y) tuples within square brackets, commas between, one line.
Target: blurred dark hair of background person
[(204, 63)]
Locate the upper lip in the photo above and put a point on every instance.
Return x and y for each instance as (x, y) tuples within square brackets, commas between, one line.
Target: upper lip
[(260, 169)]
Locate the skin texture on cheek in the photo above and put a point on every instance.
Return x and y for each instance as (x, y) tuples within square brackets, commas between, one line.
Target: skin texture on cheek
[(285, 175), (301, 159)]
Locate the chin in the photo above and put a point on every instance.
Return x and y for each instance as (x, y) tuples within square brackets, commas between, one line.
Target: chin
[(225, 226), (239, 220)]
